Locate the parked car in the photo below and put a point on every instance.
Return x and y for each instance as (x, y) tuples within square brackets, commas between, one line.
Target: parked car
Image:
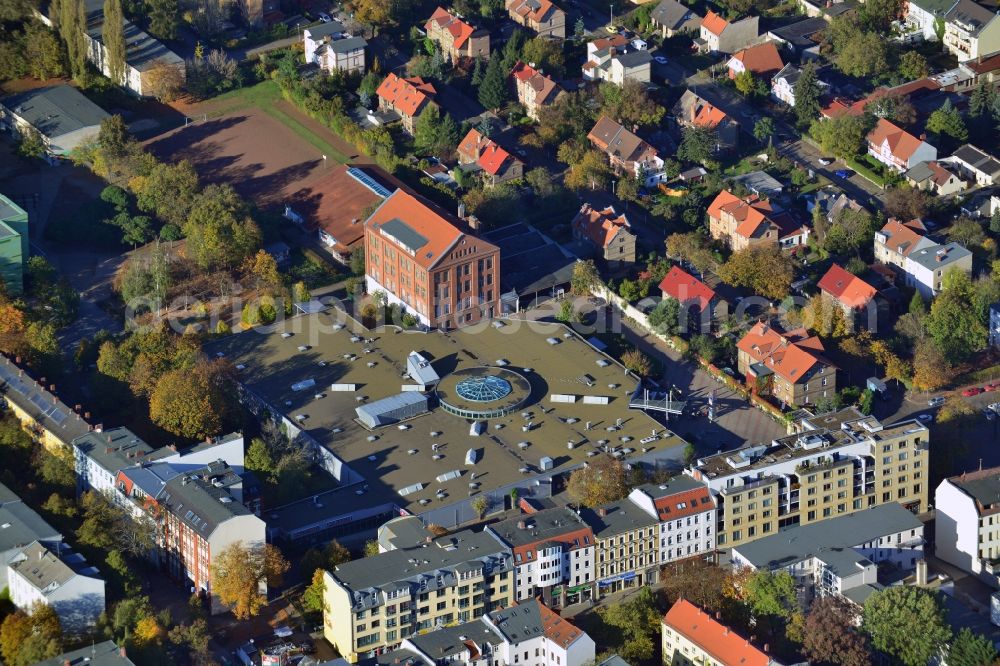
[(826, 161), (660, 60), (936, 401), (843, 173), (925, 418), (324, 17), (971, 391), (995, 406), (992, 386)]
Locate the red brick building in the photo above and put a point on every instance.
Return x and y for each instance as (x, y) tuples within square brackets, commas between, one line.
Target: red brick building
[(426, 261)]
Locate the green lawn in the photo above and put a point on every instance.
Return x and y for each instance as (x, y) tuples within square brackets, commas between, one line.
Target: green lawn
[(265, 96)]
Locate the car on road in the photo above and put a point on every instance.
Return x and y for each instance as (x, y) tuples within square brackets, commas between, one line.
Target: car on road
[(925, 418), (843, 173), (613, 29), (324, 17), (989, 414), (936, 401), (660, 60), (992, 386), (971, 391), (826, 161)]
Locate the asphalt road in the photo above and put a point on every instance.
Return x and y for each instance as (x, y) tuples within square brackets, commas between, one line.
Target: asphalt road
[(858, 188)]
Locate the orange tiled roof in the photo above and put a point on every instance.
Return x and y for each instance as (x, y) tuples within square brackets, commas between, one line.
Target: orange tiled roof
[(789, 355), (847, 288), (695, 501), (600, 226), (607, 42), (902, 237), (686, 288), (543, 85), (749, 213), (706, 115), (532, 9), (714, 23), (488, 154), (839, 106), (762, 59), (724, 645), (459, 29), (407, 96), (902, 144), (556, 629)]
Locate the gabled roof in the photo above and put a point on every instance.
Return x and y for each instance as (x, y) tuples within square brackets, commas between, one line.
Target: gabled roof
[(789, 73), (488, 154), (618, 142), (749, 213), (790, 355), (423, 230), (600, 226), (902, 144), (684, 287), (672, 14), (918, 87), (714, 23), (762, 59), (847, 288), (56, 110), (903, 237), (534, 10), (527, 620), (970, 15), (726, 646), (698, 111), (408, 95), (680, 497), (977, 159), (459, 29), (935, 7), (542, 85)]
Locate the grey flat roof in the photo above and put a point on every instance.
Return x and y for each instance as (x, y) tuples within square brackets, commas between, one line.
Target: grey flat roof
[(402, 532), (9, 210), (831, 540), (679, 484), (117, 448), (20, 524), (55, 111), (404, 233), (324, 29), (920, 171), (635, 58), (978, 158), (347, 44), (933, 258), (614, 660), (449, 641), (759, 182), (620, 517), (538, 527), (105, 653)]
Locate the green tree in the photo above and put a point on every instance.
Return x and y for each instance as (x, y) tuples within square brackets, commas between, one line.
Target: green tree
[(258, 457), (493, 90), (600, 482), (72, 24), (579, 29), (747, 84), (585, 277), (807, 93), (219, 232), (566, 312), (864, 55), (113, 35), (32, 636), (30, 143), (637, 362), (42, 52), (630, 104), (983, 100), (913, 65), (665, 317), (843, 135), (969, 649), (477, 71), (948, 121), (763, 130), (637, 621), (771, 593), (907, 623), (239, 573), (697, 145), (766, 270), (194, 402), (957, 330), (546, 54), (164, 18), (99, 518), (312, 597)]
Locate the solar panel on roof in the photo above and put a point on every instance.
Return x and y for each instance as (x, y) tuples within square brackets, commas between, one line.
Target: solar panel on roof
[(368, 181)]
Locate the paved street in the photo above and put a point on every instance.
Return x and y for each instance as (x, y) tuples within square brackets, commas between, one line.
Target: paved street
[(856, 187)]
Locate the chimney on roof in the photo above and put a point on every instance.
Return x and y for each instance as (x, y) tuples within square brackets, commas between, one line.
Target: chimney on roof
[(521, 525), (602, 512), (52, 388), (767, 647), (473, 222), (921, 572), (121, 652), (461, 210)]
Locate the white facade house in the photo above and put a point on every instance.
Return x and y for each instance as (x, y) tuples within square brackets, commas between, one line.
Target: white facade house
[(20, 525), (332, 48), (967, 527), (686, 511), (61, 114), (926, 17), (897, 148), (976, 164), (842, 553), (535, 636), (784, 82), (971, 31), (75, 593), (927, 267)]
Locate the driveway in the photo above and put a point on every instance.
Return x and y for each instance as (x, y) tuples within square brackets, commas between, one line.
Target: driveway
[(857, 187)]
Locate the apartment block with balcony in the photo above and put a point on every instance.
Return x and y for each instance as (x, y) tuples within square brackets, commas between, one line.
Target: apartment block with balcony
[(971, 30), (628, 546), (553, 553), (831, 465), (686, 512), (967, 527), (374, 603)]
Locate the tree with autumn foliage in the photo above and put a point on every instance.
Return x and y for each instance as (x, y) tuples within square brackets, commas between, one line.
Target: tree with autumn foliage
[(313, 596), (241, 574), (766, 270), (262, 269), (600, 481), (194, 402), (27, 637), (830, 634), (637, 362)]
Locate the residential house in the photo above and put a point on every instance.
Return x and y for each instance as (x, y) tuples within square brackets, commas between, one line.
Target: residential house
[(926, 17), (105, 653), (830, 465), (455, 37), (971, 30), (789, 366), (614, 59), (333, 49), (934, 177), (61, 114), (528, 633), (741, 223), (626, 151), (761, 60), (695, 111), (422, 260), (14, 247), (608, 232), (376, 602), (480, 153), (628, 546), (720, 36), (897, 148), (540, 16), (406, 98), (927, 267), (670, 17), (553, 553), (36, 406), (897, 239), (686, 511), (534, 89), (689, 635), (698, 301), (143, 54), (832, 201), (966, 529), (760, 183), (783, 84), (976, 164), (22, 525), (912, 91), (840, 554), (851, 294), (801, 38), (36, 575)]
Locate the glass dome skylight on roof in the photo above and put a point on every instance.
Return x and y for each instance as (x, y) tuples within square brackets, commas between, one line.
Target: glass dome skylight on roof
[(483, 389)]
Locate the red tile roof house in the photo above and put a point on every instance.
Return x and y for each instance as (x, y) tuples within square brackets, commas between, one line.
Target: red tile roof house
[(896, 240), (626, 151), (788, 366), (478, 152), (407, 97), (698, 300), (762, 60), (897, 148), (607, 231), (694, 111), (718, 34), (541, 16), (456, 38), (534, 89), (851, 294), (742, 223), (689, 635)]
